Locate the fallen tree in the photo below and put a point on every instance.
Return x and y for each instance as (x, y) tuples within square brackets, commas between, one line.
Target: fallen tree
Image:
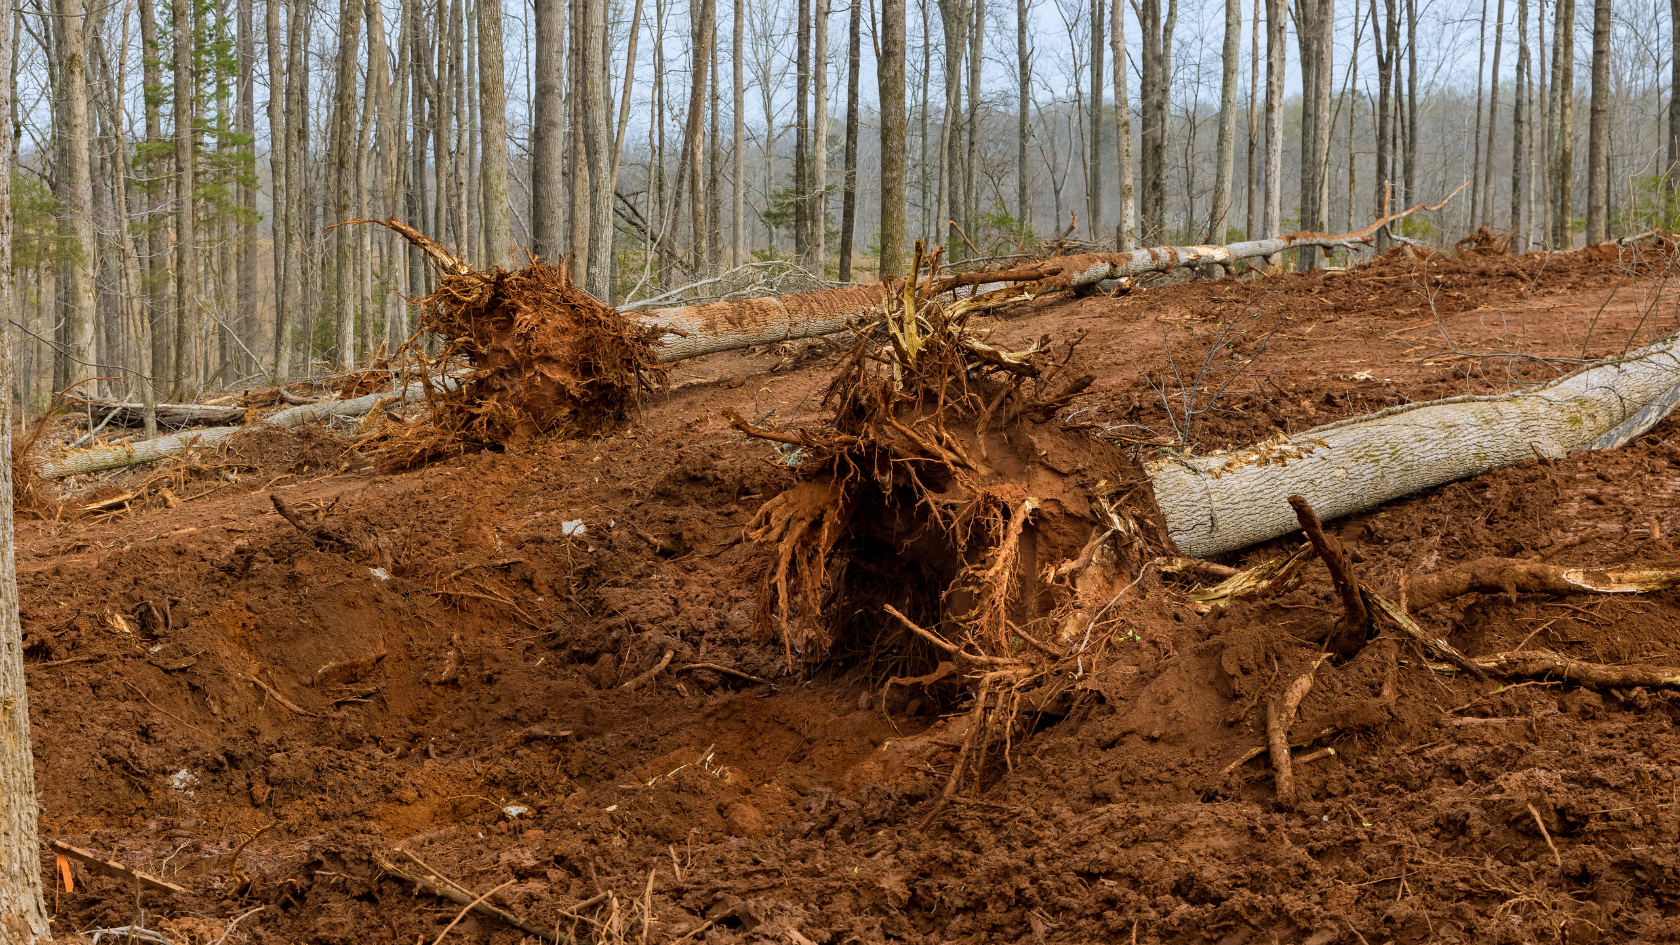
[(174, 415), (1227, 501)]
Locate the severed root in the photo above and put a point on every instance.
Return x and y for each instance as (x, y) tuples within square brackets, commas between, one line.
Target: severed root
[(1351, 631), (1512, 576), (1280, 714), (1543, 664), (1263, 580)]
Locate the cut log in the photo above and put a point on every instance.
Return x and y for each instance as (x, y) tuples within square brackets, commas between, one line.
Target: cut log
[(174, 415), (1226, 501), (150, 451)]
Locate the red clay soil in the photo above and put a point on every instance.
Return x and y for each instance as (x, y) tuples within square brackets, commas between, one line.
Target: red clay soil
[(259, 714)]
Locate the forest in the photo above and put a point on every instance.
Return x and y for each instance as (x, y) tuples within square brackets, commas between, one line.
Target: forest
[(180, 167)]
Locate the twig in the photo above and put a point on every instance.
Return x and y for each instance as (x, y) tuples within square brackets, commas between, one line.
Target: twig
[(294, 707), (939, 642), (229, 930), (1279, 714), (1556, 857), (438, 885), (469, 907)]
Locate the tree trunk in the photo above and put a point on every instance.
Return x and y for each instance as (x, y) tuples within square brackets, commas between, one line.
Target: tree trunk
[(1473, 205), (1093, 161), (77, 178), (344, 178), (1563, 141), (802, 133), (738, 194), (1519, 134), (1023, 127), (186, 233), (890, 76), (492, 90), (1277, 32), (848, 200), (1314, 24), (1220, 503), (1126, 232), (1493, 116), (971, 126), (23, 913), (1412, 176), (819, 140), (1219, 220), (1598, 128), (279, 145), (247, 259), (297, 176), (1252, 183), (952, 19), (1672, 170), (547, 161)]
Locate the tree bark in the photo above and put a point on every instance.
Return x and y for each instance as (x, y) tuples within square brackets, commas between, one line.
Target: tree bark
[(344, 178), (1519, 134), (1227, 501), (819, 140), (77, 151), (1023, 125), (1493, 116), (848, 200), (1219, 220), (890, 76), (547, 161), (279, 144), (802, 133), (492, 90), (1093, 162), (1126, 231), (1672, 170), (23, 913), (1563, 142), (1277, 32), (1314, 24), (1252, 183), (1156, 77), (1598, 128), (186, 232), (738, 208)]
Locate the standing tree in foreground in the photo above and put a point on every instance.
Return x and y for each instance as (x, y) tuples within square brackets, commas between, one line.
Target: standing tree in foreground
[(1126, 233), (493, 94), (890, 74), (848, 198), (1225, 153), (23, 913)]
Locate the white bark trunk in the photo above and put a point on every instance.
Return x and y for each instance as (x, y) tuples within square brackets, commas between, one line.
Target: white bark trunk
[(1227, 501)]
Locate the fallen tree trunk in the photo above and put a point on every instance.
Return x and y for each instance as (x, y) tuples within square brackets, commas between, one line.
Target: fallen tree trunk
[(175, 415), (150, 451), (1226, 501)]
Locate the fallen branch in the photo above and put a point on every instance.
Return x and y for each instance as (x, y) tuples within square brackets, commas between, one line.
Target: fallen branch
[(645, 678), (150, 451), (439, 886), (174, 415), (1543, 664), (111, 868)]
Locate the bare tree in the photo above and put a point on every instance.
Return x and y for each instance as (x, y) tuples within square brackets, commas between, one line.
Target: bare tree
[(1023, 123), (344, 141), (1093, 163), (1126, 235), (738, 55), (77, 153), (1672, 171), (848, 199), (1562, 123), (1277, 32), (1220, 217), (890, 77), (186, 233), (1314, 23), (1598, 127), (1493, 116), (819, 140), (1520, 132), (498, 226), (1154, 90), (547, 123)]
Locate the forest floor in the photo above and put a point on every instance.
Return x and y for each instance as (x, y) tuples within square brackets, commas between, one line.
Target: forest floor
[(263, 716)]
